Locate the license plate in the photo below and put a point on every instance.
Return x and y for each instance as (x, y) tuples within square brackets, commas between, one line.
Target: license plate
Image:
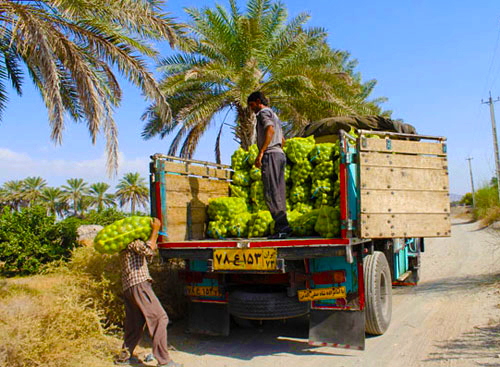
[(321, 293), (245, 259), (195, 291)]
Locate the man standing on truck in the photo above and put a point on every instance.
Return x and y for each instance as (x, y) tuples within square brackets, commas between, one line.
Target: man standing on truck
[(141, 304), (272, 161)]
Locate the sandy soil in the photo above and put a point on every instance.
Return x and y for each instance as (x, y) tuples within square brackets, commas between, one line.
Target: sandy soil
[(450, 319)]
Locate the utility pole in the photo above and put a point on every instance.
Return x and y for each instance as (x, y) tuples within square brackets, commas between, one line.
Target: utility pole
[(472, 183), (490, 101)]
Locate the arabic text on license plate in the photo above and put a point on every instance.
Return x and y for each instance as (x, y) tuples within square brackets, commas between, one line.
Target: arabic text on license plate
[(321, 293), (245, 259), (203, 291)]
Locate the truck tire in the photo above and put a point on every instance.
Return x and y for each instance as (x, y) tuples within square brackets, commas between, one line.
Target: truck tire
[(378, 293), (265, 306)]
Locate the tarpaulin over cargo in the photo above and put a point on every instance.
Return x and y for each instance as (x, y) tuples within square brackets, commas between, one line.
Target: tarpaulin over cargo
[(332, 125)]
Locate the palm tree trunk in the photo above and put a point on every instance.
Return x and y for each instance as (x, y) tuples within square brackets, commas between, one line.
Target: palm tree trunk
[(245, 128), (133, 205)]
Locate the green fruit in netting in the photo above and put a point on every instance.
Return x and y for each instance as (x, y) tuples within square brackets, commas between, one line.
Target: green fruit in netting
[(304, 225), (300, 193), (226, 207), (322, 153), (116, 236), (321, 187), (255, 174), (253, 152), (260, 224), (257, 192), (324, 199), (328, 223), (324, 170), (297, 149), (241, 178), (302, 207), (217, 229), (238, 227), (239, 159), (301, 172), (288, 173), (239, 192), (292, 216)]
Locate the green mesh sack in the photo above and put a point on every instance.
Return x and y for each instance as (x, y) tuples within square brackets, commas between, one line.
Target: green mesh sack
[(302, 208), (257, 192), (239, 225), (217, 229), (301, 172), (304, 225), (288, 173), (116, 236), (324, 170), (224, 208), (298, 149), (239, 159), (324, 199), (323, 152), (328, 223), (260, 224), (239, 192), (241, 178), (300, 193), (253, 152), (321, 186), (255, 174)]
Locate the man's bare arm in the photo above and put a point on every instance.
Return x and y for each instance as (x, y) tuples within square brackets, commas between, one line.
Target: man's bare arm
[(155, 224)]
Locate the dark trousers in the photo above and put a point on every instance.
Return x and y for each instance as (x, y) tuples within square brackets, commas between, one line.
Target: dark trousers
[(143, 307), (273, 178)]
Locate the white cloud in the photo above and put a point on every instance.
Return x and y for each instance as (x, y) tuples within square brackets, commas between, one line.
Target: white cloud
[(18, 165)]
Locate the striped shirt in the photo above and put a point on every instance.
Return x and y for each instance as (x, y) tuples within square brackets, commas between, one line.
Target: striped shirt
[(134, 263)]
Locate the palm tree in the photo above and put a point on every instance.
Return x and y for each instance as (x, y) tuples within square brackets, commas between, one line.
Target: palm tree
[(32, 189), (98, 196), (13, 193), (132, 189), (71, 51), (54, 200), (75, 190), (234, 54)]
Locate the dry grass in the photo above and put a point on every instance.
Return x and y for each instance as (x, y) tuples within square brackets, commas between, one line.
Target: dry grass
[(72, 315), (490, 215)]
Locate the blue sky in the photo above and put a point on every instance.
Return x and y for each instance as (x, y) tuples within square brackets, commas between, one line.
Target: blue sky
[(434, 61)]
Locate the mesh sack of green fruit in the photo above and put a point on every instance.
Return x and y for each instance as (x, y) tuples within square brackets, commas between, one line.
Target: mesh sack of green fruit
[(255, 174), (116, 236), (217, 229), (304, 225), (239, 192), (321, 186), (298, 149), (239, 159), (260, 224), (238, 227), (302, 208), (292, 216), (324, 199), (257, 192), (226, 207), (300, 193), (323, 152), (301, 172), (241, 178), (253, 152), (328, 223), (288, 173), (324, 170)]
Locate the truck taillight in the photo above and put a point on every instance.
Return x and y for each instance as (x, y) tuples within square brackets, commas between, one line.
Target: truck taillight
[(329, 277)]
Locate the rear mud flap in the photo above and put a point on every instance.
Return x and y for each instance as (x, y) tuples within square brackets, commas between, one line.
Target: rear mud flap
[(339, 329), (208, 318)]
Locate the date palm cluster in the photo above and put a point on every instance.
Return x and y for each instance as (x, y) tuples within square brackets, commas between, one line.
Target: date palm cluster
[(76, 196)]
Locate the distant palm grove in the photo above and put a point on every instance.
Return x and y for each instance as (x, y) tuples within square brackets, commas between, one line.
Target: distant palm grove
[(76, 197)]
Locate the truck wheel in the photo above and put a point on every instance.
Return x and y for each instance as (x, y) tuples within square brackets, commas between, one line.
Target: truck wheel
[(265, 306), (378, 293)]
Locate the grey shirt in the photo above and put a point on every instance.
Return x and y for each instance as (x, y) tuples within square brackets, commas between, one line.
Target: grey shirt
[(266, 117)]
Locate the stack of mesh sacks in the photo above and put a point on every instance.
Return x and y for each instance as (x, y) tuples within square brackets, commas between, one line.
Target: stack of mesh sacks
[(313, 193)]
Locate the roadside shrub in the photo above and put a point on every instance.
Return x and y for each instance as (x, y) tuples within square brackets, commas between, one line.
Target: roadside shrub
[(29, 239), (486, 203)]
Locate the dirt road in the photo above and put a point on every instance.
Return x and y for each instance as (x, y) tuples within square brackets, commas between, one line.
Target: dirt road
[(450, 319)]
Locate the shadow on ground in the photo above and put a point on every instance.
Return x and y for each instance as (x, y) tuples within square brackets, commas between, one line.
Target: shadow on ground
[(270, 338), (481, 346)]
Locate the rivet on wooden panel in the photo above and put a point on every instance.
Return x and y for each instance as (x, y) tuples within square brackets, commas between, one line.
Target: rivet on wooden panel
[(392, 234), (364, 209), (389, 210), (393, 216), (368, 193), (368, 216), (438, 233), (389, 221), (392, 227), (392, 192), (380, 234)]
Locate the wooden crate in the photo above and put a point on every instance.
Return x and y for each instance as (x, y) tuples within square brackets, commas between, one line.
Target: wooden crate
[(404, 189)]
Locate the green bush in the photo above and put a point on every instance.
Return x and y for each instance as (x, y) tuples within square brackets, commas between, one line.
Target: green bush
[(30, 238), (487, 204)]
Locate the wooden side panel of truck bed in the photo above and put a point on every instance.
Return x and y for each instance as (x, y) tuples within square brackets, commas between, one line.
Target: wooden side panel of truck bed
[(187, 188), (403, 188)]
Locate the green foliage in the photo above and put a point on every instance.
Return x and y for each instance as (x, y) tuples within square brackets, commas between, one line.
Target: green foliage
[(487, 204), (466, 199), (29, 239)]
